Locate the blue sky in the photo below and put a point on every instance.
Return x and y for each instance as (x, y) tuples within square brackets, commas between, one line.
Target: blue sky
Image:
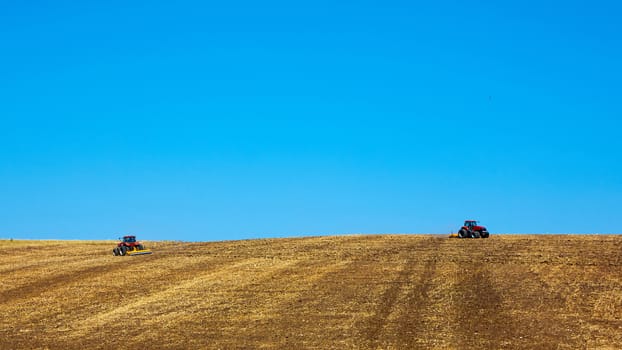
[(206, 121)]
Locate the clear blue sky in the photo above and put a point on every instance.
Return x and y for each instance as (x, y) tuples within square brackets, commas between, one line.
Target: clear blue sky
[(207, 121)]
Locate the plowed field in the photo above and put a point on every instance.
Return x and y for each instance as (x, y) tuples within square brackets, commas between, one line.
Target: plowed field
[(342, 292)]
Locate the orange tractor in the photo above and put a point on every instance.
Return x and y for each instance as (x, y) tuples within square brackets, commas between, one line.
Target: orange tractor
[(471, 229)]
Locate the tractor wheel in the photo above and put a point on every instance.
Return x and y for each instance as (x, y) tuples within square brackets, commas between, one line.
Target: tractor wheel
[(140, 247), (485, 234), (476, 234), (463, 233), (123, 250), (114, 252)]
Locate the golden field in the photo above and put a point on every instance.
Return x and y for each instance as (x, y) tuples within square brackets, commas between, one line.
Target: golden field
[(334, 292)]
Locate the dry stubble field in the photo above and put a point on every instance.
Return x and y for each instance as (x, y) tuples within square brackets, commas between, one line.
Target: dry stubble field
[(342, 292)]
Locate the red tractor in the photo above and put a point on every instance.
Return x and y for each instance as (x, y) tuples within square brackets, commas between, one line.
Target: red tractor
[(129, 246), (472, 230)]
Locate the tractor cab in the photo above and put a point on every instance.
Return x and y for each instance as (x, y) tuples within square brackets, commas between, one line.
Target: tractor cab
[(470, 224), (129, 239)]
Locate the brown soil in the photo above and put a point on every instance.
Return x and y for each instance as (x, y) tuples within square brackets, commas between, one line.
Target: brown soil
[(344, 292)]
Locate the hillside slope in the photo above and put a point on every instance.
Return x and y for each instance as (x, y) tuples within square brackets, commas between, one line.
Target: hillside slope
[(343, 292)]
